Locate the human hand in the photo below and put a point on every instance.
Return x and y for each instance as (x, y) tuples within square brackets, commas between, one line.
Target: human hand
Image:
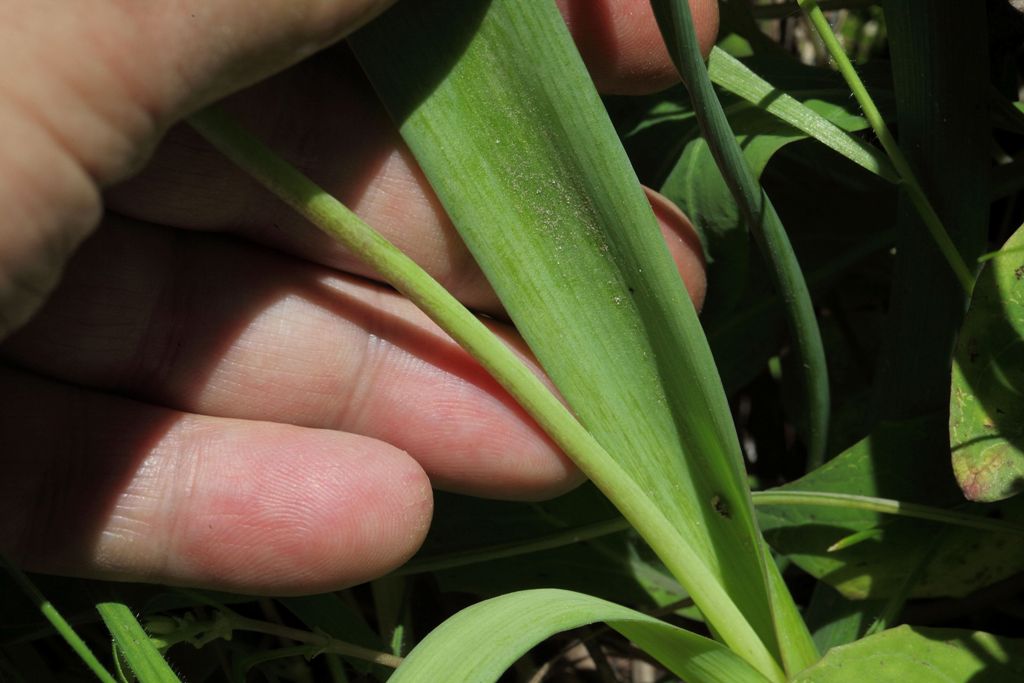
[(238, 404)]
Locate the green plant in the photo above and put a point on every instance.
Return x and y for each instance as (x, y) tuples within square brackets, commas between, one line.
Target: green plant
[(560, 226)]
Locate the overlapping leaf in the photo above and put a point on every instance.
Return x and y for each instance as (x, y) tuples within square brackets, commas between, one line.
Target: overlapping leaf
[(986, 409), (500, 113), (482, 641)]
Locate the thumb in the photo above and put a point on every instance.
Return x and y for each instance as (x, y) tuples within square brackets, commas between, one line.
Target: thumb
[(87, 88)]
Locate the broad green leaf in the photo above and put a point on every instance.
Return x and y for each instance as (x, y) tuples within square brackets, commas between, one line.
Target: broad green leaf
[(134, 644), (632, 500), (500, 113), (482, 641), (921, 655), (986, 407), (965, 559)]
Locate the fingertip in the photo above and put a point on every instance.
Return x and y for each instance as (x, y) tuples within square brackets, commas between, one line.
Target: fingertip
[(482, 444), (308, 511), (622, 45), (539, 471), (683, 244)]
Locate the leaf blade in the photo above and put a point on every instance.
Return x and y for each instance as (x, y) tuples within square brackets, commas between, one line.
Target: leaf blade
[(548, 195), (133, 642), (921, 654), (482, 641), (733, 75)]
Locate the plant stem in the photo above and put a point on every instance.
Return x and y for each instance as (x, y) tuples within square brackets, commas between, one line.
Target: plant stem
[(886, 506), (169, 631), (61, 625), (561, 538), (899, 160), (134, 646), (403, 274), (400, 271), (788, 9), (323, 643), (796, 647), (761, 219)]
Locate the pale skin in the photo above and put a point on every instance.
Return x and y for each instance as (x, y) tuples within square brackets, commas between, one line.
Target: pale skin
[(196, 387)]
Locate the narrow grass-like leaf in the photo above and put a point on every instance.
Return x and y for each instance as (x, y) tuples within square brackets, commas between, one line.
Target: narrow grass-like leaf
[(887, 506), (695, 184), (500, 113), (676, 23), (913, 187), (784, 10), (636, 504), (731, 74), (941, 76), (761, 218), (482, 641), (766, 499), (59, 623), (133, 642)]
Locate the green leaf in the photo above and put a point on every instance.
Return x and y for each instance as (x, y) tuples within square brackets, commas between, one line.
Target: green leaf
[(635, 504), (56, 620), (965, 559), (500, 113), (747, 337), (134, 644), (733, 75), (799, 103), (941, 74), (921, 655), (697, 187), (986, 408), (783, 270), (482, 641)]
